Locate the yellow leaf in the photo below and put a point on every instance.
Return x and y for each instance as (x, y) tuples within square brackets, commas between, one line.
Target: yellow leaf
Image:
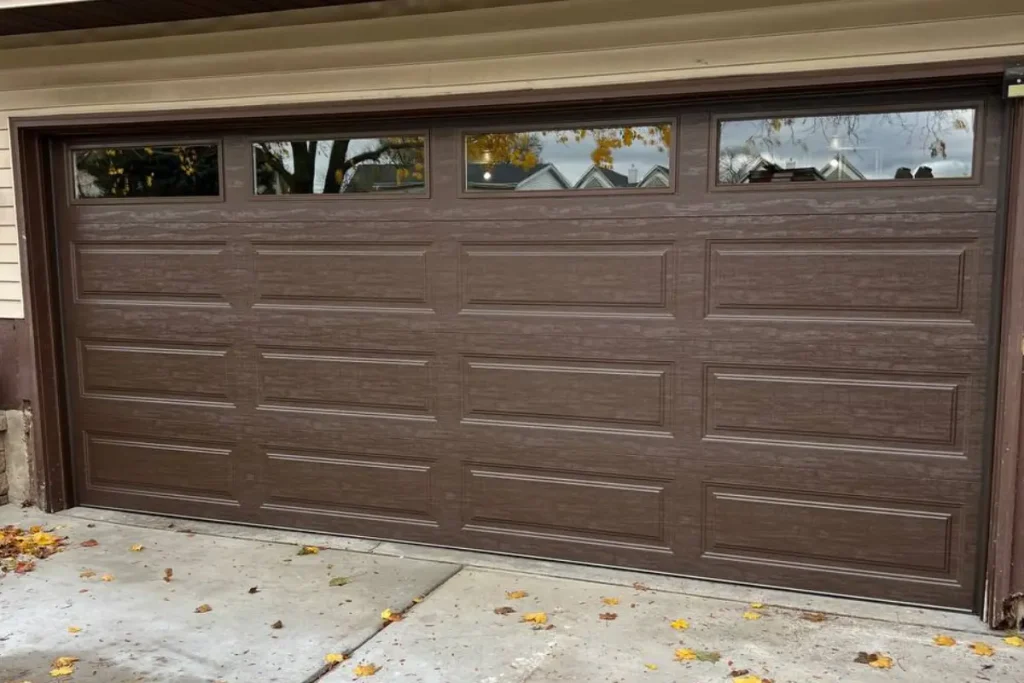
[(391, 615), (137, 548), (308, 550), (751, 616), (881, 662), (747, 679), (74, 629), (516, 595), (651, 667), (535, 617), (87, 574), (203, 609), (684, 654), (365, 670), (41, 538), (756, 605), (107, 577), (335, 658), (418, 599), (610, 601), (59, 671), (680, 624), (1014, 641), (64, 661), (982, 650), (944, 641)]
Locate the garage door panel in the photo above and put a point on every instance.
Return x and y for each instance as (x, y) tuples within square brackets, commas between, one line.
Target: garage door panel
[(904, 537)]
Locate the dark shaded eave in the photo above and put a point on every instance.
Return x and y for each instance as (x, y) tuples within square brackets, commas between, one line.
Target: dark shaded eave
[(91, 14)]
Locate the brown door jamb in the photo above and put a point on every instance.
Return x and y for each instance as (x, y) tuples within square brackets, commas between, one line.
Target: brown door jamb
[(1006, 535)]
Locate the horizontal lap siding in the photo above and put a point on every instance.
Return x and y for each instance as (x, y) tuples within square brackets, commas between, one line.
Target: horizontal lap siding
[(11, 304)]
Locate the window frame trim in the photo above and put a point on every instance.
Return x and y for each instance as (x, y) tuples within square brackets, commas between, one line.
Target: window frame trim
[(75, 200), (252, 195), (976, 179), (462, 133)]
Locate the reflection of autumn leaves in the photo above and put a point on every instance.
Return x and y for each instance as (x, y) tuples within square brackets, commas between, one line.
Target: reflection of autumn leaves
[(524, 149)]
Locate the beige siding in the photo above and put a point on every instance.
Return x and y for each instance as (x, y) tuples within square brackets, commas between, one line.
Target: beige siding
[(377, 51), (11, 305)]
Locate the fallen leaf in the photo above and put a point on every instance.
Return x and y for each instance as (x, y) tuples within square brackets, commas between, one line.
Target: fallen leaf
[(503, 610), (748, 679), (516, 595), (418, 599), (685, 654), (338, 581), (535, 617), (254, 589), (608, 616), (74, 629), (756, 605), (23, 567), (59, 671), (335, 658), (641, 587), (308, 550), (87, 574), (365, 670), (982, 650), (708, 656), (611, 602), (137, 548), (874, 659), (107, 577), (651, 667), (35, 529), (168, 574), (752, 616), (680, 624), (203, 609), (277, 624), (64, 661), (736, 673), (91, 543), (816, 617), (538, 627), (391, 615), (1014, 641), (944, 641)]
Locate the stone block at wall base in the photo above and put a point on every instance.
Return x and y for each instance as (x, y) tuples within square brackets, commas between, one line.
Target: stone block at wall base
[(16, 456)]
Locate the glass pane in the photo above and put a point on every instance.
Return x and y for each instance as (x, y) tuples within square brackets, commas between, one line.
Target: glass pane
[(620, 158), (848, 147), (339, 166), (157, 171)]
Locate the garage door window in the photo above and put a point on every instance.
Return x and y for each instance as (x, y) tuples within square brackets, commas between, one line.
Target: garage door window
[(340, 166), (627, 157), (918, 146), (147, 171)]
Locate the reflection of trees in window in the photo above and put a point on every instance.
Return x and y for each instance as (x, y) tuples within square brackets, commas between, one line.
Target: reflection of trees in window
[(341, 165), (525, 149), (157, 171), (837, 136)]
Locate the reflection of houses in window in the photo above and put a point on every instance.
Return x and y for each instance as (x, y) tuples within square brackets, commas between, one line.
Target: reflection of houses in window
[(381, 178), (840, 168), (656, 177), (512, 177), (597, 178)]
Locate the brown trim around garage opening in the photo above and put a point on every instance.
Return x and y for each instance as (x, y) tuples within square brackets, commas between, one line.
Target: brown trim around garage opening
[(1006, 534), (32, 138)]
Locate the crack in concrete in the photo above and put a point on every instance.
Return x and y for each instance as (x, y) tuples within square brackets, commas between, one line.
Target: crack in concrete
[(350, 654)]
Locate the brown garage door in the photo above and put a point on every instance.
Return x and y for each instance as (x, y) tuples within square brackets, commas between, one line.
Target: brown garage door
[(747, 343)]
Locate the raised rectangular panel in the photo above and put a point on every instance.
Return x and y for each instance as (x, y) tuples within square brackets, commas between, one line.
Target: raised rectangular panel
[(829, 407), (147, 466), (584, 508), (812, 530), (359, 485), (567, 277), (573, 394), (347, 380), (153, 371), (182, 273), (345, 275), (864, 278)]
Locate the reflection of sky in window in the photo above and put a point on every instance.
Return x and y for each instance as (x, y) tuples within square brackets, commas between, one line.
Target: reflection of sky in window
[(875, 144), (283, 151), (572, 158)]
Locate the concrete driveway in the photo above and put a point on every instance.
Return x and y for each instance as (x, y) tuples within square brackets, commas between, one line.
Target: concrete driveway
[(463, 616)]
